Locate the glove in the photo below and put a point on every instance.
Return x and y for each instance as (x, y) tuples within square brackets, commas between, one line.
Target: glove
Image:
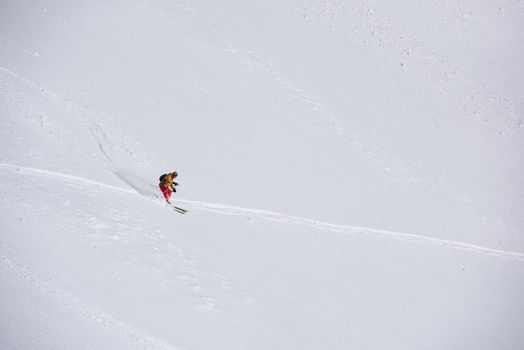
[(174, 183)]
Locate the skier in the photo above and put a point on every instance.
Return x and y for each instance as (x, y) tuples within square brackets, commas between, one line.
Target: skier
[(167, 185)]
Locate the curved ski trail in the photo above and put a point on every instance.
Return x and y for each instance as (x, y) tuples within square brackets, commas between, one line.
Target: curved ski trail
[(349, 229), (285, 218)]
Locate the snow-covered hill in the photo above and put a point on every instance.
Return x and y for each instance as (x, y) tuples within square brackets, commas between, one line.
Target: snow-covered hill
[(353, 172)]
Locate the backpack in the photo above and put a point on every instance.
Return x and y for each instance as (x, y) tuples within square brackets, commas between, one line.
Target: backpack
[(162, 178)]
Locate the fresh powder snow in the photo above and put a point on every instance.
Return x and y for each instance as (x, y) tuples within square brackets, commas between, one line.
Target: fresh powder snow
[(352, 170)]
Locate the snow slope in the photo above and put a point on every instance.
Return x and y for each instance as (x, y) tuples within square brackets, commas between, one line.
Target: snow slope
[(353, 171)]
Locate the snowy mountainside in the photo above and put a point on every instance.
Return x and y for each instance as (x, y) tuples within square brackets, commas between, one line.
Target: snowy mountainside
[(352, 171)]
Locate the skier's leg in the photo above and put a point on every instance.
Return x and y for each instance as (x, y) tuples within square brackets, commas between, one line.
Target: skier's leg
[(167, 194), (166, 191)]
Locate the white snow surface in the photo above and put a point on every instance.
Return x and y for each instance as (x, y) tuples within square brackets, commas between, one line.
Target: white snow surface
[(353, 172)]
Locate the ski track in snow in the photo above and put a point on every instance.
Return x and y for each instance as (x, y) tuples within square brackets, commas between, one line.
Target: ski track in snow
[(280, 217), (89, 120), (116, 327)]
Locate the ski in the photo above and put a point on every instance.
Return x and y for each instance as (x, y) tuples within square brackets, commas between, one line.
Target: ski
[(178, 209)]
